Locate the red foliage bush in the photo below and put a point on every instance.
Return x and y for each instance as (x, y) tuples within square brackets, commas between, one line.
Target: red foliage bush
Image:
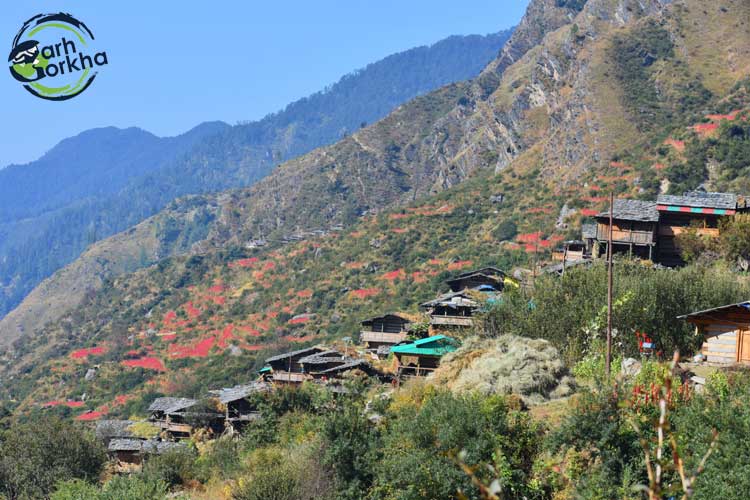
[(459, 264), (148, 363), (364, 293)]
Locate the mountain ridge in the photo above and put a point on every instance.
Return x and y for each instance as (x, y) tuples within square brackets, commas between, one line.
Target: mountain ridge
[(232, 157)]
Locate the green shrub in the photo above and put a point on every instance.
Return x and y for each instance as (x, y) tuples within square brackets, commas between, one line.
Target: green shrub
[(136, 487), (35, 457), (172, 468), (75, 489)]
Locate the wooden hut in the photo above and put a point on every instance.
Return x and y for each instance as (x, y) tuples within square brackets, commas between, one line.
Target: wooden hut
[(634, 228), (286, 368), (697, 209), (130, 453), (178, 416), (648, 229), (484, 277), (422, 357), (381, 331), (726, 332), (451, 310), (239, 410)]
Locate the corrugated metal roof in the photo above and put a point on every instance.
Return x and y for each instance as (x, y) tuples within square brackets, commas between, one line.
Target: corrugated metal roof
[(310, 350), (444, 346), (700, 199), (169, 405), (636, 210), (745, 305)]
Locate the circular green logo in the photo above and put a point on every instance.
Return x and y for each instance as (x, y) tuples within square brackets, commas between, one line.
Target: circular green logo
[(55, 57)]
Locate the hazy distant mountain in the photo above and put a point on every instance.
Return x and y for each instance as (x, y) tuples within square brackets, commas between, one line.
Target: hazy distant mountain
[(105, 180)]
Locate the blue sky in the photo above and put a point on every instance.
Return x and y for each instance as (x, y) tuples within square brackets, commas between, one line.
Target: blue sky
[(175, 64)]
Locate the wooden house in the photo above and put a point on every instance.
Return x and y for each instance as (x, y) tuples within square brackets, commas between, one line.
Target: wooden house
[(648, 229), (422, 357), (286, 368), (177, 417), (382, 331), (130, 453), (451, 310), (726, 332), (472, 280), (331, 364), (634, 229), (697, 209), (571, 251), (239, 410)]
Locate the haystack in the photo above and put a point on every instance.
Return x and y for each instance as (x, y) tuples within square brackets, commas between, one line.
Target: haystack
[(530, 368)]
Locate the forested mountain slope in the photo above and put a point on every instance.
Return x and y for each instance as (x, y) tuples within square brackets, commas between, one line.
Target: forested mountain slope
[(609, 98), (104, 181)]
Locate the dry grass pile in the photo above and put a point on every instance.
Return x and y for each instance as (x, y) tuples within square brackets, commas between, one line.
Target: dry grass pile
[(530, 368)]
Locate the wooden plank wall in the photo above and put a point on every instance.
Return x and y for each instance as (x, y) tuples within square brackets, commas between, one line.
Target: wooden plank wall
[(721, 343)]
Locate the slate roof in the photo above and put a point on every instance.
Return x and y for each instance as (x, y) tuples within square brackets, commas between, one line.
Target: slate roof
[(452, 299), (308, 351), (322, 358), (126, 444), (350, 364), (490, 277), (108, 429), (227, 395), (636, 210), (700, 199), (408, 318), (487, 271), (169, 405), (150, 446), (745, 305), (588, 231)]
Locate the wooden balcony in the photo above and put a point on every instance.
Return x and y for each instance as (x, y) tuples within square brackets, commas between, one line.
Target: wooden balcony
[(451, 321), (382, 337), (628, 237), (290, 377), (180, 428)]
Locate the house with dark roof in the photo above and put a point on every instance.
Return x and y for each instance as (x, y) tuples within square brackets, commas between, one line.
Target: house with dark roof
[(634, 228), (130, 453), (726, 332), (239, 408), (422, 357), (699, 210), (177, 417), (384, 331), (484, 277), (648, 229), (286, 367), (452, 310)]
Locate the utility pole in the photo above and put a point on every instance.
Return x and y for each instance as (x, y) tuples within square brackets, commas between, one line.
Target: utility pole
[(608, 359)]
